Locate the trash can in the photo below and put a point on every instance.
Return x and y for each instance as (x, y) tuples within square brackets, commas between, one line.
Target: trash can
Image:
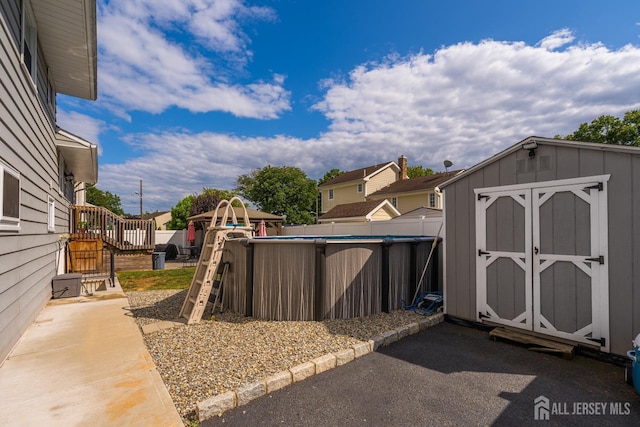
[(158, 260), (635, 364)]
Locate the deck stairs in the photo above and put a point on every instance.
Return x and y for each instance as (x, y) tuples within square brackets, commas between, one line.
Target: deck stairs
[(209, 264)]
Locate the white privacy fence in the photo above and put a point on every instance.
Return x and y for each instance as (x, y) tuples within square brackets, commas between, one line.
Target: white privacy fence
[(396, 227), (176, 237)]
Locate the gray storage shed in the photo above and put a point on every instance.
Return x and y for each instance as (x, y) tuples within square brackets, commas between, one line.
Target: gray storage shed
[(543, 236)]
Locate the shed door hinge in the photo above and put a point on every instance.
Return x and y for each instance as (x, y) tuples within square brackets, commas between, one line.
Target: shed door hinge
[(599, 260), (599, 186), (481, 315), (481, 252), (482, 196)]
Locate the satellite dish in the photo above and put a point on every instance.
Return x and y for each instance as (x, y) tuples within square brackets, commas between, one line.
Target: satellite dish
[(447, 164)]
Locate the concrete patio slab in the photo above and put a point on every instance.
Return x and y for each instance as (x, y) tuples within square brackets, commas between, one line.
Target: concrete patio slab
[(83, 362)]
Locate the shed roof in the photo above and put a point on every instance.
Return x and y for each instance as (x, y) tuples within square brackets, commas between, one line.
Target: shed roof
[(360, 174), (541, 141)]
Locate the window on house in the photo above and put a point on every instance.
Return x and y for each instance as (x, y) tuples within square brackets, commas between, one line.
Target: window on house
[(29, 40), (51, 223), (359, 188), (394, 202), (331, 194), (432, 200), (10, 200)]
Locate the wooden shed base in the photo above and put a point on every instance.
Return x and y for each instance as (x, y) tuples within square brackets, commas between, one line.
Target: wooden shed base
[(533, 343)]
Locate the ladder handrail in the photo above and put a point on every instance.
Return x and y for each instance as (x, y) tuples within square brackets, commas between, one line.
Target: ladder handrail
[(227, 205)]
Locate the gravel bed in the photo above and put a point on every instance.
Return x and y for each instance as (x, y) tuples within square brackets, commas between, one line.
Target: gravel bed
[(229, 350)]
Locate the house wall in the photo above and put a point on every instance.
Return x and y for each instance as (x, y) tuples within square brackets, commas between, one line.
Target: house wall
[(28, 257), (381, 215), (380, 180), (342, 194), (563, 162), (348, 192)]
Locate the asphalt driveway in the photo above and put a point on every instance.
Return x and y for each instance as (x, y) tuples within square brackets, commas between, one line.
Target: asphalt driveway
[(450, 375)]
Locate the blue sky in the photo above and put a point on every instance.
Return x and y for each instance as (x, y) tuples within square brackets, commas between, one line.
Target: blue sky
[(194, 93)]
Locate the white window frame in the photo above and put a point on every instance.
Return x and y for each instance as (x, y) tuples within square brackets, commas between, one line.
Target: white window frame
[(51, 214), (360, 187), (331, 194), (29, 34), (8, 223), (433, 201)]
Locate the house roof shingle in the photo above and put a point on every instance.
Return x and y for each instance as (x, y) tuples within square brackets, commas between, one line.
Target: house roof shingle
[(415, 184), (349, 210), (356, 174)]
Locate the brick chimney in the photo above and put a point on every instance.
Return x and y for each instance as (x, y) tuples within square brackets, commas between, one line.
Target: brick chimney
[(402, 162)]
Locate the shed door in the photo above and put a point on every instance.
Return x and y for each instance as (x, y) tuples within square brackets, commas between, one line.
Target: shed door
[(550, 240)]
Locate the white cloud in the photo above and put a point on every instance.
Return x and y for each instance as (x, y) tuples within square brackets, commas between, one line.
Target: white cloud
[(557, 39), (142, 68), (464, 103), (81, 125)]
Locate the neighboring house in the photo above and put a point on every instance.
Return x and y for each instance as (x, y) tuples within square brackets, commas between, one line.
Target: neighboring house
[(413, 193), (544, 237), (373, 210), (46, 47), (160, 219), (355, 186)]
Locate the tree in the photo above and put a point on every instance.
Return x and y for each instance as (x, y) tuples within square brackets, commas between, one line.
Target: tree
[(180, 212), (97, 197), (416, 171), (329, 175), (610, 130), (281, 191), (195, 204), (208, 200)]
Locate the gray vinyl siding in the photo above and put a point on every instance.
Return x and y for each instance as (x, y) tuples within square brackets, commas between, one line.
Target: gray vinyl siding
[(28, 256), (10, 10), (564, 162)]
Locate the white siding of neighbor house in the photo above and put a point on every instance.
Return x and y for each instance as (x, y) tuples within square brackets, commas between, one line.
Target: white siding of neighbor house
[(28, 257)]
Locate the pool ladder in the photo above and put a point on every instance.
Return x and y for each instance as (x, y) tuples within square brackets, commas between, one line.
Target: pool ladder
[(209, 263)]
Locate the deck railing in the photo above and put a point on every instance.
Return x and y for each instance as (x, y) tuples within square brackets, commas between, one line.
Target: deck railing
[(95, 222)]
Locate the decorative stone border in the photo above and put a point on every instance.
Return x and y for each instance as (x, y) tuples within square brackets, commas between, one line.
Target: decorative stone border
[(216, 405)]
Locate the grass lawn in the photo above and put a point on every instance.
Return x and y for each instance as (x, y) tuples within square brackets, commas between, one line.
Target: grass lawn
[(154, 280)]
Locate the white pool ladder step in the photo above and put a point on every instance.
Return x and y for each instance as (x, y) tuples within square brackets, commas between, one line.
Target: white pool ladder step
[(210, 259)]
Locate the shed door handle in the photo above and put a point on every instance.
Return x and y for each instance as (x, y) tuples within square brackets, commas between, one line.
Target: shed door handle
[(535, 250)]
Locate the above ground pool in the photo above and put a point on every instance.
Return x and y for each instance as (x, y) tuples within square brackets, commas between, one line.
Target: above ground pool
[(326, 277)]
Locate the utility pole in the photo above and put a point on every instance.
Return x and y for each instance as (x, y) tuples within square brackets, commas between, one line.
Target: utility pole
[(139, 193)]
